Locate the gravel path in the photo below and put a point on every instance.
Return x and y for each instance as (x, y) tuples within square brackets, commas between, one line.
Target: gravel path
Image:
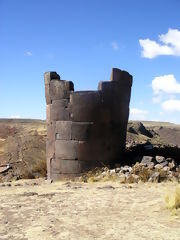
[(75, 210)]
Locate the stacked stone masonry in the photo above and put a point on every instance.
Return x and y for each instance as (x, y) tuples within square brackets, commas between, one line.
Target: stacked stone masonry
[(85, 129)]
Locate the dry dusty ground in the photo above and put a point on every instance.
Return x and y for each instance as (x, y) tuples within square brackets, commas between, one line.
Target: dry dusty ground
[(74, 210)]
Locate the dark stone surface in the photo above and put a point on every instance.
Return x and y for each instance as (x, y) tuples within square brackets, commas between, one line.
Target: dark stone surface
[(67, 166), (51, 131), (48, 76), (63, 130), (58, 112), (66, 149), (81, 130), (60, 89), (147, 160), (85, 106)]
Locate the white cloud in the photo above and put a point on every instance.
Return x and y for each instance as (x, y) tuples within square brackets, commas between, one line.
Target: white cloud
[(15, 116), (138, 114), (165, 84), (171, 105), (115, 46), (169, 44), (28, 54)]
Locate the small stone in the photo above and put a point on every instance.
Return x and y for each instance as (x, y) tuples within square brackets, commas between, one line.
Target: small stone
[(147, 160), (166, 168), (122, 178), (163, 164), (154, 177), (158, 166), (117, 170), (112, 171), (169, 159), (126, 169), (136, 178), (49, 181), (172, 165), (106, 187), (170, 177), (103, 174), (151, 165), (160, 159)]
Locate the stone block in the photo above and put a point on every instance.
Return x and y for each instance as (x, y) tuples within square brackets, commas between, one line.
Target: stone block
[(147, 160), (48, 113), (47, 96), (85, 106), (59, 89), (60, 176), (63, 130), (50, 149), (121, 76), (48, 76), (67, 166), (51, 131), (59, 111), (114, 92), (48, 162), (60, 103), (92, 152), (66, 149), (81, 130)]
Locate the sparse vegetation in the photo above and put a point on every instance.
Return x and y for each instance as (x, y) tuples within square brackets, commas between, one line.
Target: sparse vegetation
[(172, 200)]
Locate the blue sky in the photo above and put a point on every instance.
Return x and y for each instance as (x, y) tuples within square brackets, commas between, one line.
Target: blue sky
[(82, 40)]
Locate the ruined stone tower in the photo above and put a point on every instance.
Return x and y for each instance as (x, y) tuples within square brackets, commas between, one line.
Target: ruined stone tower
[(85, 129)]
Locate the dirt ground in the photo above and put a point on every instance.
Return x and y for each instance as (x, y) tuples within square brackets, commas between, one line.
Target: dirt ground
[(36, 209)]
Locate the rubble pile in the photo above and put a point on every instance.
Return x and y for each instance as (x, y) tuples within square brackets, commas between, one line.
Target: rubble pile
[(149, 169)]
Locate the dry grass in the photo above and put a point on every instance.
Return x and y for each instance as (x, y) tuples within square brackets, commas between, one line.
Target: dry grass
[(96, 175), (143, 172), (39, 169), (172, 200)]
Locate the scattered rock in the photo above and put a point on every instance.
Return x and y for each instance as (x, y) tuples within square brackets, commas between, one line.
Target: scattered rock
[(126, 169), (122, 178), (160, 159), (172, 165), (155, 177), (147, 160), (163, 164), (29, 194), (158, 166), (166, 168), (5, 168), (106, 187)]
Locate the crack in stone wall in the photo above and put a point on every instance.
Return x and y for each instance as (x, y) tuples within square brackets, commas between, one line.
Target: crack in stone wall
[(85, 129)]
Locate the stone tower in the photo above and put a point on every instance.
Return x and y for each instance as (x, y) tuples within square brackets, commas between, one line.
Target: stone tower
[(85, 129)]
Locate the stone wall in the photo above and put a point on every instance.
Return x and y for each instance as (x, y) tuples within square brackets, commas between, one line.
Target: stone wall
[(85, 129)]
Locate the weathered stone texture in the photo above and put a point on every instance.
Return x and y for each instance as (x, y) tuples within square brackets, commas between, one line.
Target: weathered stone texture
[(85, 129)]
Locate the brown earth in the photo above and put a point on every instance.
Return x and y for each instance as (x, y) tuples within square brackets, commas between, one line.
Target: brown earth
[(34, 209), (22, 145)]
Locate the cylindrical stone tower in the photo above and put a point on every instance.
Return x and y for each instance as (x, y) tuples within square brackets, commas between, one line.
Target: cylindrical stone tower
[(85, 129)]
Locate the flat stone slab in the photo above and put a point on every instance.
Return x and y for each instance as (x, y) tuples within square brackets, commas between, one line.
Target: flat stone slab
[(63, 130), (59, 89), (85, 106), (66, 149), (67, 166)]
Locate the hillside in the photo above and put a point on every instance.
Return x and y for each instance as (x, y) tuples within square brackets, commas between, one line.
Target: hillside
[(22, 146)]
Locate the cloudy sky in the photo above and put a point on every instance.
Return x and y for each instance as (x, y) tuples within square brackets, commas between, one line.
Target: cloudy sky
[(82, 41)]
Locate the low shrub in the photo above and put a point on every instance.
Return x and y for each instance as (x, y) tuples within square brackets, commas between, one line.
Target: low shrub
[(172, 200)]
